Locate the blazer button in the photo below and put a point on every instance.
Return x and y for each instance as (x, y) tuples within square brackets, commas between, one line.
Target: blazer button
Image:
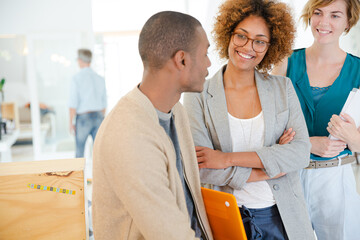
[(276, 187)]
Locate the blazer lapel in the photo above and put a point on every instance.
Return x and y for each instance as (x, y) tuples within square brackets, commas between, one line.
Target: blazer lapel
[(267, 97), (218, 110)]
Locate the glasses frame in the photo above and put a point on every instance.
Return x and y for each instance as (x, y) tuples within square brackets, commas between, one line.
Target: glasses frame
[(252, 43)]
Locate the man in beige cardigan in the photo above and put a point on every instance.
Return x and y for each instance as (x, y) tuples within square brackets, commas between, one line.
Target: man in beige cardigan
[(146, 179)]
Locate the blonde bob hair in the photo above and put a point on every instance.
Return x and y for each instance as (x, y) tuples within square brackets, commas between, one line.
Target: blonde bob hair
[(353, 11)]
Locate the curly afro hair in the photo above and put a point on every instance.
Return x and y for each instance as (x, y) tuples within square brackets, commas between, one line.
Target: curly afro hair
[(277, 16)]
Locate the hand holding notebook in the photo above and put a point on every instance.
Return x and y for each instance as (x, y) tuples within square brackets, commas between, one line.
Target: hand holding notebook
[(352, 108)]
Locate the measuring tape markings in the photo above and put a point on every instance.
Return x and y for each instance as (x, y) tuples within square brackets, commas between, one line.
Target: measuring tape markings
[(51, 189)]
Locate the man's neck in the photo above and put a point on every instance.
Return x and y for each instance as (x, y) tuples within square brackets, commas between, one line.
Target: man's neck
[(159, 87), (84, 65)]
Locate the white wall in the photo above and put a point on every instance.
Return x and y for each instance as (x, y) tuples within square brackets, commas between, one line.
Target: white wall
[(12, 68), (39, 16), (115, 15)]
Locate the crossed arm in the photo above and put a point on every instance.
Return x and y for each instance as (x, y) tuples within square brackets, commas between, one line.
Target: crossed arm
[(215, 159)]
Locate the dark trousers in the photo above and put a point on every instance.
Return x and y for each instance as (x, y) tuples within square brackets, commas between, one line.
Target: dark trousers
[(263, 223)]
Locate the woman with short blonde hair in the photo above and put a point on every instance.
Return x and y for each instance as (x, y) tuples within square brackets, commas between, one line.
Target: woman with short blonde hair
[(323, 75)]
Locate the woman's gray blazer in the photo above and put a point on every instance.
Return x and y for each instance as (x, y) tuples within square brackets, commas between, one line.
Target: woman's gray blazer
[(210, 128)]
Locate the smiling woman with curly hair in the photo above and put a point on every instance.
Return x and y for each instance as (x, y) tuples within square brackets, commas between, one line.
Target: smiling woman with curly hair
[(278, 20), (244, 122)]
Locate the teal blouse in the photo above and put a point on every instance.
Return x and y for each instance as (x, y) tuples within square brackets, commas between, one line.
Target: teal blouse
[(318, 115)]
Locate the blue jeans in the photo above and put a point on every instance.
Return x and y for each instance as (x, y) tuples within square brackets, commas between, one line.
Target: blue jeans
[(86, 124), (263, 223)]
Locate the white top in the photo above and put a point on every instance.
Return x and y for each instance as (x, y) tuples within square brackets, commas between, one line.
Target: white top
[(247, 135)]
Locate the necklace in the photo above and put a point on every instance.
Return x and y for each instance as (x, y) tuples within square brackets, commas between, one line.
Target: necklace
[(248, 143)]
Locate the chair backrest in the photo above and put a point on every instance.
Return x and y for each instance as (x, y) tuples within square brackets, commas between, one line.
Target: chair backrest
[(10, 111)]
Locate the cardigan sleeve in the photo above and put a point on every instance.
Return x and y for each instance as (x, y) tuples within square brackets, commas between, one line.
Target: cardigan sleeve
[(235, 177), (134, 162)]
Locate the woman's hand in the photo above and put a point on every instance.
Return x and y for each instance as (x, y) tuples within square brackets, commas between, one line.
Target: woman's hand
[(343, 127), (324, 147), (209, 158), (287, 136)]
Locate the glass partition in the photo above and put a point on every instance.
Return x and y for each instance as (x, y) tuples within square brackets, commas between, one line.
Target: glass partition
[(53, 60)]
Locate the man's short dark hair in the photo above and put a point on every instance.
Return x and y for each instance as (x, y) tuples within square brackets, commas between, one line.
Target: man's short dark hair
[(164, 34)]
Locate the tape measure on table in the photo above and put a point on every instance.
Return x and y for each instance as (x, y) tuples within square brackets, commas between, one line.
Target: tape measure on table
[(51, 189)]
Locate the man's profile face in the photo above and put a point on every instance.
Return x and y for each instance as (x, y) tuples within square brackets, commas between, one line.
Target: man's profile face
[(199, 63)]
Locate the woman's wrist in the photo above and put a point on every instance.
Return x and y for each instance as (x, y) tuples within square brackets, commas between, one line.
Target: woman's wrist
[(227, 159), (354, 144)]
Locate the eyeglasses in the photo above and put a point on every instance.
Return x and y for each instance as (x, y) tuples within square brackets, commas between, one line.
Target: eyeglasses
[(241, 40)]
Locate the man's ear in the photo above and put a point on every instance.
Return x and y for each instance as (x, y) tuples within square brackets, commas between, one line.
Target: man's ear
[(180, 59)]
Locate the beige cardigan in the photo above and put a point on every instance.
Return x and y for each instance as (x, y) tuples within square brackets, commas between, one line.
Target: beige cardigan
[(137, 191)]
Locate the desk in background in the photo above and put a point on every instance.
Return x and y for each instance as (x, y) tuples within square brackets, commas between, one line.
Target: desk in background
[(7, 140)]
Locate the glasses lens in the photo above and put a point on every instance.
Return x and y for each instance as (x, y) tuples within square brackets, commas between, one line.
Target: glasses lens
[(259, 46), (240, 39)]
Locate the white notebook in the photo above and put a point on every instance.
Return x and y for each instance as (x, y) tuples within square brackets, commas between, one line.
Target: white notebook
[(352, 108)]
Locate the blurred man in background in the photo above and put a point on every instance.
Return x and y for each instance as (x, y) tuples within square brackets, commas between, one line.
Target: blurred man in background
[(87, 102)]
